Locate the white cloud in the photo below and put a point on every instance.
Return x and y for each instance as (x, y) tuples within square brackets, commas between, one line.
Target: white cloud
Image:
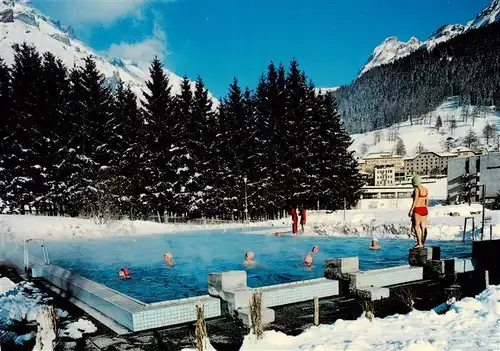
[(99, 11), (142, 51), (104, 12)]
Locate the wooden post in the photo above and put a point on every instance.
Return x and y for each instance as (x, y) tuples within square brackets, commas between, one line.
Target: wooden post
[(487, 278), (201, 328), (316, 310), (256, 314), (491, 231)]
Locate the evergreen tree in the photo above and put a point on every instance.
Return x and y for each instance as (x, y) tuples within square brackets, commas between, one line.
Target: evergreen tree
[(489, 132), (295, 153), (399, 148), (338, 177), (204, 116), (51, 130), (419, 148), (188, 135), (453, 125), (464, 113), (232, 137), (159, 111), (22, 161), (128, 179), (470, 139), (93, 112), (6, 127), (439, 123)]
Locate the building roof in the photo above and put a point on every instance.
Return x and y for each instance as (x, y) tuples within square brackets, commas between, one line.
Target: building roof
[(380, 155), (447, 154)]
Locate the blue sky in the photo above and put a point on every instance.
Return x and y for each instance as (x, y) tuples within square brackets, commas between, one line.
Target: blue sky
[(220, 39)]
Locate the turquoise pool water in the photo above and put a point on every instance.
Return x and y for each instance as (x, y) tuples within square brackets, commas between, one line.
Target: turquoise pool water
[(197, 254)]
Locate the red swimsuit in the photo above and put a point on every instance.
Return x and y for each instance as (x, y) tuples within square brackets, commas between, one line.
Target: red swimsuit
[(422, 211)]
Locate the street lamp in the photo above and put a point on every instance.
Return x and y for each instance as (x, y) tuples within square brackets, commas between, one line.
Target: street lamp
[(246, 203), (483, 191)]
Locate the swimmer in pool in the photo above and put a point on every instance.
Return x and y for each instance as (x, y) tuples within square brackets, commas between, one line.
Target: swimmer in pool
[(124, 273), (375, 245), (249, 258), (315, 249), (308, 261), (168, 258)]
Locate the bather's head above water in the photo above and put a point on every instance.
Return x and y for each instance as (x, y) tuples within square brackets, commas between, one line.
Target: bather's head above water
[(375, 244), (308, 261), (124, 273), (315, 249), (249, 258), (168, 257)]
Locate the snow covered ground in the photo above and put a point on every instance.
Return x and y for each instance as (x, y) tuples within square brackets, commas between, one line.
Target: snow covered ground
[(363, 223), (431, 138), (470, 324), (23, 303)]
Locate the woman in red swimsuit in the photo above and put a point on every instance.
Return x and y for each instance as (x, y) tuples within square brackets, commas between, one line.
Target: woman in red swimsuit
[(419, 210)]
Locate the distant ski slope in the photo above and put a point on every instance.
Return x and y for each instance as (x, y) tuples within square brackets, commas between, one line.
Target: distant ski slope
[(431, 139)]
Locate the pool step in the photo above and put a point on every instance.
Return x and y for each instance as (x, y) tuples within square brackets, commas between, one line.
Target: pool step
[(244, 314), (385, 277), (373, 293)]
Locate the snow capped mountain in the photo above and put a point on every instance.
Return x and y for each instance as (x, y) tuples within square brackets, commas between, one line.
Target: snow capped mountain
[(445, 33), (20, 22), (489, 15), (392, 49)]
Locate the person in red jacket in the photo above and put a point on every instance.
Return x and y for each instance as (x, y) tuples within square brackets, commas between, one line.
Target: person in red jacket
[(295, 220), (303, 216)]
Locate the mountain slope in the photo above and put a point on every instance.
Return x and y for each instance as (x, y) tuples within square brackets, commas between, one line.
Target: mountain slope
[(392, 49), (466, 66), (20, 23), (423, 130)]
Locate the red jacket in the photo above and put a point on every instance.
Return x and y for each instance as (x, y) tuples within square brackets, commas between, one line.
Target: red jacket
[(295, 217)]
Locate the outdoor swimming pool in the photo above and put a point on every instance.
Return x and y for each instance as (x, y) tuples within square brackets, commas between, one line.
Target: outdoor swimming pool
[(197, 254)]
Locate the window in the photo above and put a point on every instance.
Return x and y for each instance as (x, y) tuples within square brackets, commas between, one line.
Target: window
[(388, 195), (404, 195), (370, 196)]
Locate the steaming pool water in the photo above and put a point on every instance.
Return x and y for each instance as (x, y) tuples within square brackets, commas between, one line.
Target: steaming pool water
[(197, 254)]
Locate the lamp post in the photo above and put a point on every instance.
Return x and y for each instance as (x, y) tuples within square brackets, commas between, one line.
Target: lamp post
[(246, 203), (483, 195)]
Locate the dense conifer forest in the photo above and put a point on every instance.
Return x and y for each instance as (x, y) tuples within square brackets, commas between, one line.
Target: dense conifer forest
[(73, 145), (467, 66)]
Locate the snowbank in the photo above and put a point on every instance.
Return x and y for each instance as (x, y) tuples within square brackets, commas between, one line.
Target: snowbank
[(382, 223), (393, 223), (18, 227), (470, 324), (76, 330)]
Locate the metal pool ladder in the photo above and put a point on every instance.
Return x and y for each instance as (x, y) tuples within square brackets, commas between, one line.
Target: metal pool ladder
[(45, 254)]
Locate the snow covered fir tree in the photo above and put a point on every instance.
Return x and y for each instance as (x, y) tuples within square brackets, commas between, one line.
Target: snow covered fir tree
[(74, 145)]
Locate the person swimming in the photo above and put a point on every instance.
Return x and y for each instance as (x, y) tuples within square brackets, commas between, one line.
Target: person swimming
[(308, 261), (249, 258), (168, 258), (375, 245), (315, 249), (124, 273)]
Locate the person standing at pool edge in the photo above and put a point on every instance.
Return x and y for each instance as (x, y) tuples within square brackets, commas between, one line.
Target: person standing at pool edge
[(419, 211), (303, 219), (295, 220)]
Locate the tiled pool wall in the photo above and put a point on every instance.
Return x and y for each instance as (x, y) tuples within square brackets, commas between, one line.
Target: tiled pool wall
[(230, 287)]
